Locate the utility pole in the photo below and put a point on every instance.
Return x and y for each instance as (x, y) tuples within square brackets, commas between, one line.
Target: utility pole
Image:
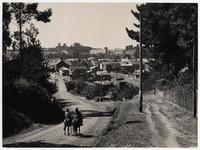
[(195, 74), (140, 64)]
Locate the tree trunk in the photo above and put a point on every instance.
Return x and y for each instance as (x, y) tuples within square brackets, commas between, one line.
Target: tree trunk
[(20, 32), (195, 75)]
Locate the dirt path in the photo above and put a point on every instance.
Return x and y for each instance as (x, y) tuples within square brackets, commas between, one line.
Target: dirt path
[(97, 118), (171, 131), (152, 127), (163, 122)]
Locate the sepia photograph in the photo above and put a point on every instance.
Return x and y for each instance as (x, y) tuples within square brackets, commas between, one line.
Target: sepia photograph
[(99, 74)]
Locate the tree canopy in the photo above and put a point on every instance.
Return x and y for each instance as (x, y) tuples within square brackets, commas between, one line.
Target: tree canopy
[(6, 21), (168, 31), (22, 13)]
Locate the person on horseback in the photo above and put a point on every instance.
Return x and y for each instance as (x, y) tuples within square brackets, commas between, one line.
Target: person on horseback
[(67, 121)]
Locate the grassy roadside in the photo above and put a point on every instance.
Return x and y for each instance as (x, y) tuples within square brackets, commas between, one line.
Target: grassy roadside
[(127, 128)]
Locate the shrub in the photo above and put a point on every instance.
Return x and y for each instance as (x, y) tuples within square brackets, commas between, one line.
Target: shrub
[(70, 85), (30, 100), (90, 90), (50, 87), (14, 122)]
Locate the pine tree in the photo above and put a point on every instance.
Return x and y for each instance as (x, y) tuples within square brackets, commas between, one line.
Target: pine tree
[(6, 21), (24, 13), (168, 33)]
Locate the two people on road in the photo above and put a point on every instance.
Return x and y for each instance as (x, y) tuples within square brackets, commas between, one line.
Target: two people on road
[(73, 121)]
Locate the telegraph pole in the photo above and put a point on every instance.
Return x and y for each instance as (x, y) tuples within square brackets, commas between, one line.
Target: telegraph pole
[(195, 74), (140, 64)]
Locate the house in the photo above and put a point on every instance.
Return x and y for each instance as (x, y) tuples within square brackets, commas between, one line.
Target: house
[(97, 51), (61, 63), (102, 76), (65, 71), (79, 71), (108, 66), (129, 65)]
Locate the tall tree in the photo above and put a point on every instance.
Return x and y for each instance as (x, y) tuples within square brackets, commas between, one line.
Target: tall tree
[(24, 13), (168, 31), (6, 21), (35, 65)]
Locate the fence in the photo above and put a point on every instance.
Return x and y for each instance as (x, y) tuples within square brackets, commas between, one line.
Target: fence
[(180, 96)]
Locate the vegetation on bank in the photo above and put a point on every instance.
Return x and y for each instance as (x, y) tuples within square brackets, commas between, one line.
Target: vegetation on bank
[(92, 90), (26, 89), (25, 104)]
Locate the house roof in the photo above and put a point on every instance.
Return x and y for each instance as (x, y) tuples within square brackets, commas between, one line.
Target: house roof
[(64, 68), (78, 67), (104, 82), (93, 67)]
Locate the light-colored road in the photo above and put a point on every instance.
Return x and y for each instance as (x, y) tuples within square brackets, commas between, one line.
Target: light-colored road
[(95, 121)]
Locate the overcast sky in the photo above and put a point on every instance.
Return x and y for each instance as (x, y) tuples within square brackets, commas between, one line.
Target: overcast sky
[(91, 24)]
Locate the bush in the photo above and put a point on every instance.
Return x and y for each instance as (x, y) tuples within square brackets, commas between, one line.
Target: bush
[(127, 91), (70, 85), (148, 81), (91, 90), (50, 87), (34, 101), (30, 100), (14, 122)]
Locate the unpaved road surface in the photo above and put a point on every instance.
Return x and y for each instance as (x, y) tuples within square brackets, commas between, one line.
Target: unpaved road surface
[(161, 124), (96, 118), (171, 126)]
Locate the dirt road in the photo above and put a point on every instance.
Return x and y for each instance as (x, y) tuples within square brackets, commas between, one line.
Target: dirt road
[(95, 120), (171, 126), (161, 124)]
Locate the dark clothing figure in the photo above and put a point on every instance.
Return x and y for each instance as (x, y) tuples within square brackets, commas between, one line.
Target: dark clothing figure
[(67, 121), (80, 119), (75, 123)]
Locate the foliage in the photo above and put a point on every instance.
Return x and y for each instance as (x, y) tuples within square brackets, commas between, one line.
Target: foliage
[(169, 32), (184, 78), (23, 13), (29, 11), (34, 64), (70, 85), (91, 90), (33, 101), (127, 91), (14, 122), (6, 21), (79, 51), (26, 89)]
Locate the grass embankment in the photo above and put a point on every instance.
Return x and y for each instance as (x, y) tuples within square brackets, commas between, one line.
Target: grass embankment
[(127, 128)]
